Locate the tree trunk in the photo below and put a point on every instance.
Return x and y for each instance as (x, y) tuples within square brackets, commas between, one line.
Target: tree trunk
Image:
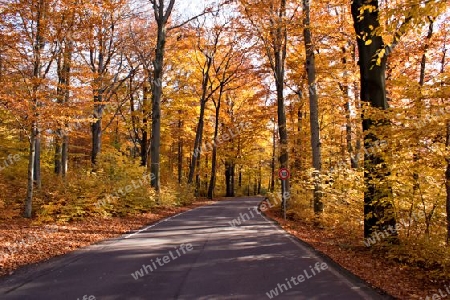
[(358, 129), (197, 178), (259, 178), (197, 143), (144, 140), (161, 16), (63, 96), (378, 208), (96, 128), (65, 155), (229, 178), (348, 131), (199, 133), (58, 152), (155, 147), (298, 157), (423, 61), (447, 184), (280, 60), (31, 161), (212, 182), (37, 160), (447, 146), (348, 125), (314, 107), (240, 177), (34, 133), (180, 149), (272, 164)]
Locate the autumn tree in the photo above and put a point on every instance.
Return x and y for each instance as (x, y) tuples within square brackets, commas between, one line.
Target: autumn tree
[(102, 57), (373, 55), (227, 70), (313, 105), (273, 36)]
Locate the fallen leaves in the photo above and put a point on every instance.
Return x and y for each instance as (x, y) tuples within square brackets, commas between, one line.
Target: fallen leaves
[(396, 279)]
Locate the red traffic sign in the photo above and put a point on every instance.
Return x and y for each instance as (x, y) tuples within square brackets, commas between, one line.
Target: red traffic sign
[(284, 174)]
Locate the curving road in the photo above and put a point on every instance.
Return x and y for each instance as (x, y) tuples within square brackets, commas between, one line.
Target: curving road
[(195, 255)]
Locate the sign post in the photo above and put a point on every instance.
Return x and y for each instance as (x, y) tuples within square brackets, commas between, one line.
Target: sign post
[(284, 174)]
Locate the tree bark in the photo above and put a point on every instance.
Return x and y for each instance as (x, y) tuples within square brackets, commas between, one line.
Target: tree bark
[(180, 149), (204, 99), (144, 140), (37, 160), (63, 97), (280, 51), (229, 179), (38, 46), (314, 107), (31, 161), (161, 16), (378, 208), (212, 182), (272, 163), (299, 147), (96, 127), (447, 183)]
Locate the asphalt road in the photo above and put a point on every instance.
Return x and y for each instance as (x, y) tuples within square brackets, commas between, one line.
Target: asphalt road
[(194, 255)]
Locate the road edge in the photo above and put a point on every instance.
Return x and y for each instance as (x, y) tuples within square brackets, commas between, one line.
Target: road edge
[(364, 285)]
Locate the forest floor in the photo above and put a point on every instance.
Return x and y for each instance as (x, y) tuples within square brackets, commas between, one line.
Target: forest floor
[(396, 279)]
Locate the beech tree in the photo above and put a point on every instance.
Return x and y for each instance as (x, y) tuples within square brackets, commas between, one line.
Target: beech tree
[(373, 54), (310, 65), (274, 40)]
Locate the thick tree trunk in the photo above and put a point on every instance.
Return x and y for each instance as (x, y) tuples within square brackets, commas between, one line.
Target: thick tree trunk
[(229, 178), (96, 128), (161, 16), (280, 60), (155, 147), (34, 132), (378, 208), (314, 107)]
